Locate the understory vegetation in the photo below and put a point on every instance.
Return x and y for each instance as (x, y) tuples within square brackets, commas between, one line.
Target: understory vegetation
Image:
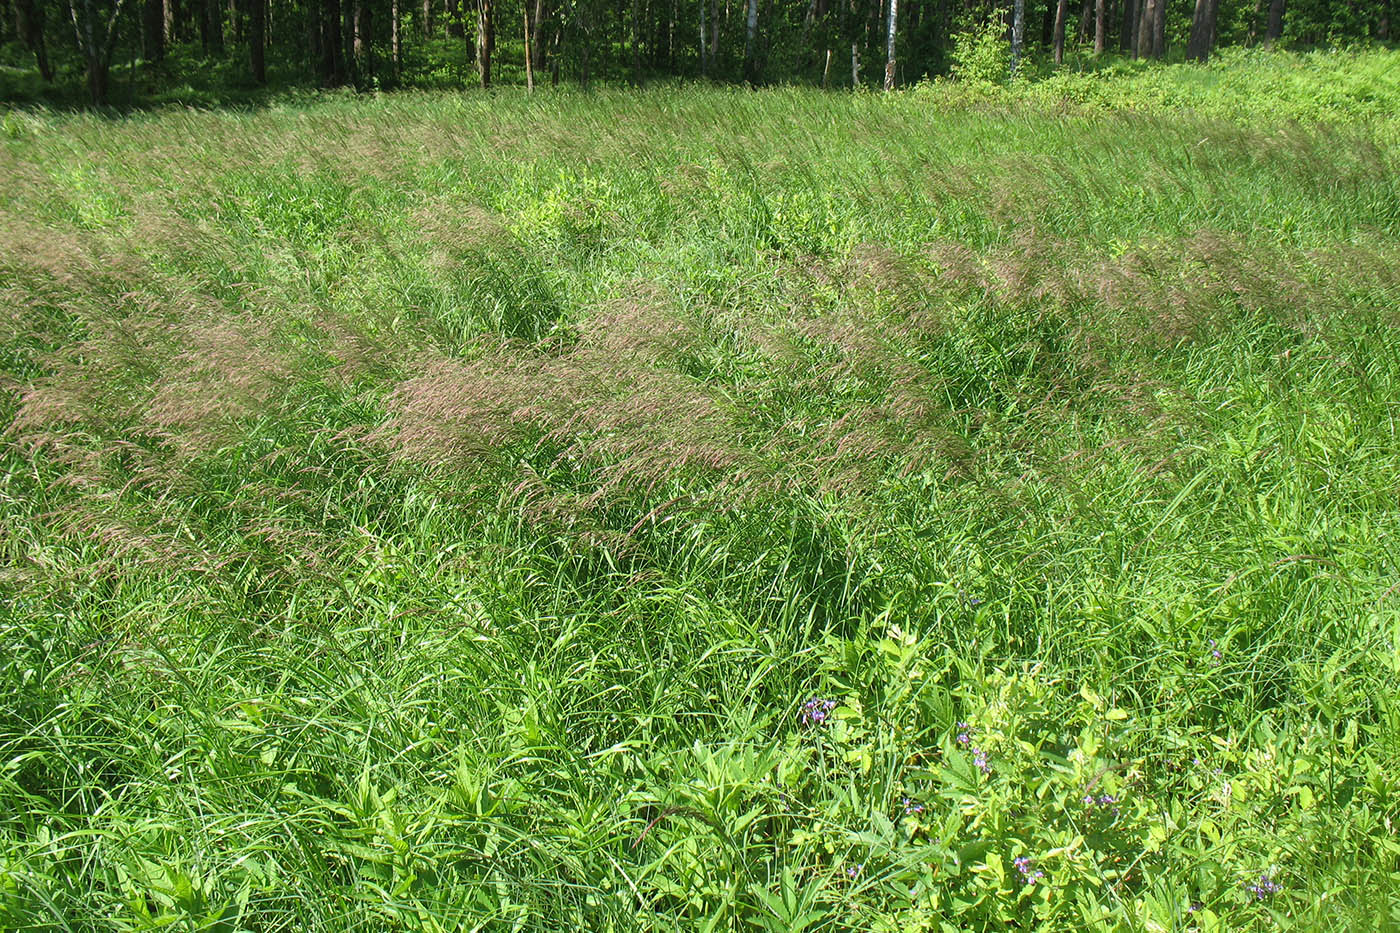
[(700, 510)]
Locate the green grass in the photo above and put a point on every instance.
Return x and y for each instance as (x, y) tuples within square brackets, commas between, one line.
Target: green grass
[(435, 512)]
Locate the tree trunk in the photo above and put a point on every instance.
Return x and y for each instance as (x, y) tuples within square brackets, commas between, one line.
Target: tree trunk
[(153, 30), (1125, 29), (826, 71), (714, 35), (332, 66), (1086, 21), (396, 40), (1143, 46), (529, 66), (214, 17), (1202, 30), (485, 39), (637, 43), (29, 21), (425, 28), (891, 30), (1100, 32), (537, 22), (855, 65), (1275, 29), (1060, 10), (364, 65), (1018, 31), (95, 43), (1159, 28), (750, 41), (257, 39)]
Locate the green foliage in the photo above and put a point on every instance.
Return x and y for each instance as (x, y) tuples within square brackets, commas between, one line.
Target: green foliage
[(963, 509), (980, 54)]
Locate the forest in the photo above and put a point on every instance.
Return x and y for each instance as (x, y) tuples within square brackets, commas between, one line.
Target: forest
[(206, 51)]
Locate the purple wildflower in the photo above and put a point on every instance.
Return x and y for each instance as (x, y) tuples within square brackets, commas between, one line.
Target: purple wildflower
[(1214, 652), (815, 711), (854, 870), (979, 758), (964, 734), (1264, 888), (1029, 873), (912, 806)]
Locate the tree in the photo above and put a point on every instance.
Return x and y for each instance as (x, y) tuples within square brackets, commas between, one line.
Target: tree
[(1018, 29), (332, 61), (1275, 28), (29, 21), (1202, 30), (1061, 9), (97, 36), (257, 40), (485, 39), (890, 41), (1100, 36), (153, 30), (750, 43)]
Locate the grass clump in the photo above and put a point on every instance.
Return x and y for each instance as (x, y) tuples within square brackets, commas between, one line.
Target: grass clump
[(605, 511)]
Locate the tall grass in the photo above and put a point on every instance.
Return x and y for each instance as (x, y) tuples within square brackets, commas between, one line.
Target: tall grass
[(437, 512)]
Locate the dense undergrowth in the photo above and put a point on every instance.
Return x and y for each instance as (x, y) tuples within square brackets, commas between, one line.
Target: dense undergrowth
[(698, 510)]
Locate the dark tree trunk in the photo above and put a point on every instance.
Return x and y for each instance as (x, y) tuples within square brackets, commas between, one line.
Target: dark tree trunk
[(96, 39), (537, 24), (637, 43), (1086, 21), (29, 22), (1100, 31), (257, 40), (153, 30), (1159, 28), (214, 20), (425, 28), (1125, 29), (332, 67), (363, 46), (1142, 48), (485, 39), (1061, 9), (1202, 30), (1274, 32), (1047, 24)]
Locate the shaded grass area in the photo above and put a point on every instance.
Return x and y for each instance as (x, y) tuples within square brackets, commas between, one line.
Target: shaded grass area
[(437, 512)]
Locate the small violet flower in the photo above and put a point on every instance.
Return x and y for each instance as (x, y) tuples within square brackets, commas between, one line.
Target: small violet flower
[(854, 870), (815, 711), (1264, 888), (911, 806), (979, 758), (1029, 873)]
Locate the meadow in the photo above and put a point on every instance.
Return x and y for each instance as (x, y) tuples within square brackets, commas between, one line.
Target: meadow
[(704, 509)]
